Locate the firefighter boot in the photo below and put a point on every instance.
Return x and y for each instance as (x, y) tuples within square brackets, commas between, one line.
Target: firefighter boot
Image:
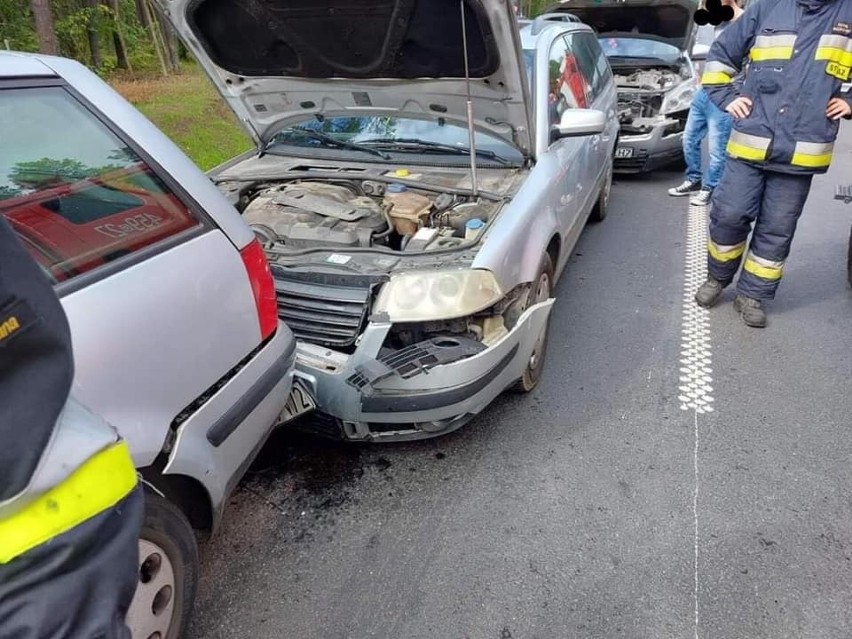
[(709, 293), (751, 310)]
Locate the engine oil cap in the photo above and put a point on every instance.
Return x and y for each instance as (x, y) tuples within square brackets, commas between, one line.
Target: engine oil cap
[(402, 173)]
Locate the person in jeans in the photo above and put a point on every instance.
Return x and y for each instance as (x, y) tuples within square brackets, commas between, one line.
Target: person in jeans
[(705, 119)]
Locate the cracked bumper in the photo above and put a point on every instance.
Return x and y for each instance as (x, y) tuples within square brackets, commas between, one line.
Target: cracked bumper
[(429, 403)]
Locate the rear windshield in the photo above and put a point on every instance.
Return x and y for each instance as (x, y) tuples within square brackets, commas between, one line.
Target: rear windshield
[(75, 194)]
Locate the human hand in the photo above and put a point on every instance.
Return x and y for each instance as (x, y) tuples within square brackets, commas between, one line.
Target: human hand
[(739, 108), (838, 108)]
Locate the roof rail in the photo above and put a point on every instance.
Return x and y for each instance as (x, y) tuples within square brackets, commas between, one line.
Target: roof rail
[(540, 21)]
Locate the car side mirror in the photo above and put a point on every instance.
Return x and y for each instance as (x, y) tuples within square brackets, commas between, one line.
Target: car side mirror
[(579, 123)]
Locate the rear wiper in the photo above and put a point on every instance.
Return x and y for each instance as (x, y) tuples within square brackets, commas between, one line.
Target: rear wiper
[(414, 144), (328, 140)]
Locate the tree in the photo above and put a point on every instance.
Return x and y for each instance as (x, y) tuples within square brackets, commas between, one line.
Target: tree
[(47, 42), (92, 33)]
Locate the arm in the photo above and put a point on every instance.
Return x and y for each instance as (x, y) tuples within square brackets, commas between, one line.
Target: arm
[(725, 58), (36, 364)]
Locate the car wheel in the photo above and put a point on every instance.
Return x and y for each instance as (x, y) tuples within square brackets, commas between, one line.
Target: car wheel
[(168, 573), (602, 205), (541, 291)]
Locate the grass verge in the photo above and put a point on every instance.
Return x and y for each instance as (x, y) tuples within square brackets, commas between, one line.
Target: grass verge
[(188, 109)]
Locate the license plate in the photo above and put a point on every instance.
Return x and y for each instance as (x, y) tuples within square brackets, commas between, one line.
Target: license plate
[(299, 403), (624, 152)]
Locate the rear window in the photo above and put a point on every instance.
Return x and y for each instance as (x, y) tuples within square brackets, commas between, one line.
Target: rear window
[(75, 194)]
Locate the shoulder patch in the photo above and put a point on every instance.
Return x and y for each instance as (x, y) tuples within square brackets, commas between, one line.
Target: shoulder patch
[(15, 318), (842, 28)]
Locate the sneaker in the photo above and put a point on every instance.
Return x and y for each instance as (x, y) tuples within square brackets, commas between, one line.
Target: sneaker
[(702, 198), (688, 186), (709, 293), (751, 311)]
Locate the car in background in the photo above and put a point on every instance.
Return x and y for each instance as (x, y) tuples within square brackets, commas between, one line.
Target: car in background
[(170, 301), (418, 293), (647, 43)]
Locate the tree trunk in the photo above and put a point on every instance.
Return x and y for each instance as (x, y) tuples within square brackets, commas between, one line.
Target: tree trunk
[(169, 39), (118, 38), (154, 30), (142, 13), (92, 34), (47, 42)]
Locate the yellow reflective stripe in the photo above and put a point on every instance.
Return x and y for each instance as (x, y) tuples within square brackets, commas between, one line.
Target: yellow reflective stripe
[(748, 147), (761, 54), (831, 54), (715, 77), (105, 479), (722, 253), (766, 269), (812, 154)]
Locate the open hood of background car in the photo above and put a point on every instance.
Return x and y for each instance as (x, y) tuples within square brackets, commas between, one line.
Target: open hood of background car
[(668, 20), (277, 61)]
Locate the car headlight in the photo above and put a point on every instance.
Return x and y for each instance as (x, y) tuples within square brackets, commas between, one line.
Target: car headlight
[(438, 295), (679, 98)]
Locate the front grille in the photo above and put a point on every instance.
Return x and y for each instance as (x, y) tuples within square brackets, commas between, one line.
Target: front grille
[(328, 310)]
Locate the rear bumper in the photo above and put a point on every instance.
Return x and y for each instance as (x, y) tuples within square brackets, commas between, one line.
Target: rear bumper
[(401, 406), (220, 440)]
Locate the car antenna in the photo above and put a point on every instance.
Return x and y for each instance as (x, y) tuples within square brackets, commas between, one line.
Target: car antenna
[(470, 129)]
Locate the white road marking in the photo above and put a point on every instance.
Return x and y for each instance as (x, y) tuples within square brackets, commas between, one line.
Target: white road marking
[(696, 372)]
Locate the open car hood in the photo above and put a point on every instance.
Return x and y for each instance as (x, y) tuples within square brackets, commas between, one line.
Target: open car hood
[(277, 61), (668, 20)]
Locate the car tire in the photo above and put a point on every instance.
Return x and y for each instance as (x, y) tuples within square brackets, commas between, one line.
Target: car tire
[(601, 207), (542, 290), (168, 572)]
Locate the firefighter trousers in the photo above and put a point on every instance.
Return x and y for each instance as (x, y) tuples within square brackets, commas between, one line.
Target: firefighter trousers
[(772, 202)]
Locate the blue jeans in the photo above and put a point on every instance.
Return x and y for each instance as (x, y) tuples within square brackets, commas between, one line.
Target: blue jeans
[(705, 117)]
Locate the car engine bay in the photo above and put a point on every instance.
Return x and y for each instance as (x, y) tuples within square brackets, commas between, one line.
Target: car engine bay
[(640, 97), (295, 215)]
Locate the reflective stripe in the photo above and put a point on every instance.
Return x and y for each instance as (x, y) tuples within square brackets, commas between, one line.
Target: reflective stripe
[(748, 147), (778, 47), (812, 154), (725, 253), (101, 482), (715, 77), (835, 48), (766, 269), (717, 73)]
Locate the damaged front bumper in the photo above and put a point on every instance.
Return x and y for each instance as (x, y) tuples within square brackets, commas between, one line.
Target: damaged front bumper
[(422, 391), (658, 142)]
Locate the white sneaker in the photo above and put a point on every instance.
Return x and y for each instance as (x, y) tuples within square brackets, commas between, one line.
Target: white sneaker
[(686, 188), (702, 198)]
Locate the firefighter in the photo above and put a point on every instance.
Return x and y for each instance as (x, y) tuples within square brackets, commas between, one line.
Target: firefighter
[(786, 118), (70, 502)]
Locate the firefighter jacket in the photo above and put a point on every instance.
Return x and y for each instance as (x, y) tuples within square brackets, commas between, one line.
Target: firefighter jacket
[(800, 54), (60, 465)]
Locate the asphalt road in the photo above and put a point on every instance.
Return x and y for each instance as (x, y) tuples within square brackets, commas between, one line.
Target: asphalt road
[(590, 508)]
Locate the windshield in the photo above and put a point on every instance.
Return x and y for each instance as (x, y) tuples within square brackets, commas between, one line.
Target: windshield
[(639, 48), (364, 136)]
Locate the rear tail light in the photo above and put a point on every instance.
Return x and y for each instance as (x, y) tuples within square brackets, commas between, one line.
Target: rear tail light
[(262, 286)]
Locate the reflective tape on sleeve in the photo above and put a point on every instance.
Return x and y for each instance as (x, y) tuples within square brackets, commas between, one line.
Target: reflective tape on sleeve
[(100, 483), (812, 155), (835, 48), (748, 147), (765, 269), (725, 253), (717, 73)]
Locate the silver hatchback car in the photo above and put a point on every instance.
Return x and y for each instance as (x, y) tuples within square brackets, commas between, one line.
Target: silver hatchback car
[(169, 297), (419, 183)]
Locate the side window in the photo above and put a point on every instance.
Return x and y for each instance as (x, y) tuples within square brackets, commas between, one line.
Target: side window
[(73, 192), (604, 70), (587, 50), (567, 87)]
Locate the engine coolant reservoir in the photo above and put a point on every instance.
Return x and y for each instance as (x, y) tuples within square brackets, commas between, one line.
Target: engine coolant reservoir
[(408, 210)]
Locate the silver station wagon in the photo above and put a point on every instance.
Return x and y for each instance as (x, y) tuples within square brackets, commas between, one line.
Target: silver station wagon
[(423, 171)]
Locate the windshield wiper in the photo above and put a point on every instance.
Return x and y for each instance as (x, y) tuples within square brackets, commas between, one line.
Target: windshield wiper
[(414, 144), (327, 141)]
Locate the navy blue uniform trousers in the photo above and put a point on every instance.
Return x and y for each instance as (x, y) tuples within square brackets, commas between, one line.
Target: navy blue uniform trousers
[(772, 202)]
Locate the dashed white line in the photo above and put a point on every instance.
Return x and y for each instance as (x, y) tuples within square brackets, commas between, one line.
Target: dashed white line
[(696, 372)]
